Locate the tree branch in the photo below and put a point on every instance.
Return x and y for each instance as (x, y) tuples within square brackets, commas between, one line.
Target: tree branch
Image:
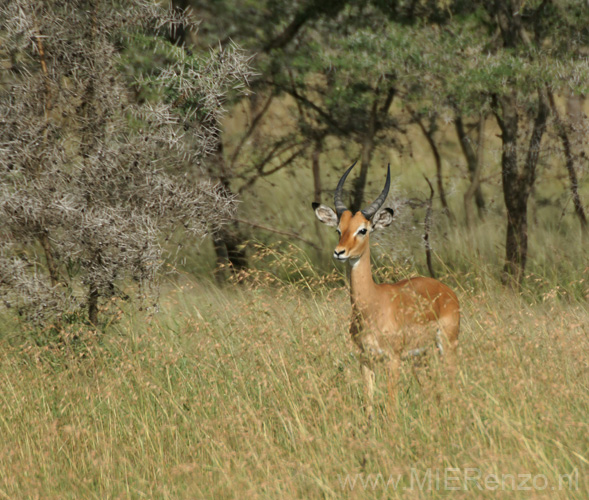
[(262, 173), (250, 130), (324, 114), (290, 234), (311, 11)]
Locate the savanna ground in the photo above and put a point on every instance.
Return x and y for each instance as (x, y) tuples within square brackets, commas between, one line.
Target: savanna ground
[(253, 390)]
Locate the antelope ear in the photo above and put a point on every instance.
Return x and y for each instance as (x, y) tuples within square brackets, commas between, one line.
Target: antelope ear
[(325, 214), (383, 218)]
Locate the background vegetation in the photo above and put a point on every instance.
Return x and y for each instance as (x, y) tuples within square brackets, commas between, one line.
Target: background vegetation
[(244, 383)]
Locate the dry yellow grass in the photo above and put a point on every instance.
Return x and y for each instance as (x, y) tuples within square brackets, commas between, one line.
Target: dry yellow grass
[(253, 391)]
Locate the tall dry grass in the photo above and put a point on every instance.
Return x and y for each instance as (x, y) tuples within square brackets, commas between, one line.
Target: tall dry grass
[(253, 390)]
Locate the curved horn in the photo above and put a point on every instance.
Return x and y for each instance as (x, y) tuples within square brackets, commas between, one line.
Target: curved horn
[(340, 208), (376, 204)]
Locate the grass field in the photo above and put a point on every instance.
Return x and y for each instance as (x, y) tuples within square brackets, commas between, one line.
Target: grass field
[(253, 390)]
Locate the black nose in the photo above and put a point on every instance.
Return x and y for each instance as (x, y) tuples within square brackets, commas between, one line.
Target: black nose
[(337, 254)]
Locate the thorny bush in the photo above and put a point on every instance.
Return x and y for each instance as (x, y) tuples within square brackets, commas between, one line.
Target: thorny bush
[(93, 179)]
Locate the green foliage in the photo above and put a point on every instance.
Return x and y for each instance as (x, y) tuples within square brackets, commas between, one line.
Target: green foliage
[(446, 54), (456, 63)]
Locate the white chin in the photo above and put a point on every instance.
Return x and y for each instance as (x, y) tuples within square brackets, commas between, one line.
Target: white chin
[(340, 258)]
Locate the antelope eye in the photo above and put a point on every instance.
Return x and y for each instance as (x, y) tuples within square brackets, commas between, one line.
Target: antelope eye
[(362, 231)]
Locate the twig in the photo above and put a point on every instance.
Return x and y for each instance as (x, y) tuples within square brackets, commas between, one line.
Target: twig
[(262, 173), (255, 122), (277, 231)]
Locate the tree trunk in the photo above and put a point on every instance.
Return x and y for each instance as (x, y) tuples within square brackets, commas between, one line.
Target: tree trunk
[(51, 266), (515, 197), (516, 242), (474, 162), (517, 185), (229, 245), (228, 242), (439, 177), (93, 305), (475, 185), (222, 258), (516, 236), (569, 163), (367, 150), (428, 134)]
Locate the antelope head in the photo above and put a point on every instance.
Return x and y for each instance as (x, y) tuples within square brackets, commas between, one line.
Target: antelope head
[(355, 229)]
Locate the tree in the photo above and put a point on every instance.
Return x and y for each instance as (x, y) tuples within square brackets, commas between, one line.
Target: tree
[(92, 176), (265, 31), (539, 49), (461, 59), (341, 80), (504, 57), (349, 63), (474, 162)]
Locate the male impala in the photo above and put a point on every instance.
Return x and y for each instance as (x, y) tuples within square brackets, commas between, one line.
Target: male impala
[(389, 321)]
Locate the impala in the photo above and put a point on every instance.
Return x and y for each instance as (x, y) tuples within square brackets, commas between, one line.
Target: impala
[(389, 321)]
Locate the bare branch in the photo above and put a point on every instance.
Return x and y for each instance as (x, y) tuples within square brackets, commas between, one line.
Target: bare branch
[(290, 234)]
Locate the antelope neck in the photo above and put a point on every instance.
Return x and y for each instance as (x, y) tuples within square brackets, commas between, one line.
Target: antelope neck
[(362, 285)]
